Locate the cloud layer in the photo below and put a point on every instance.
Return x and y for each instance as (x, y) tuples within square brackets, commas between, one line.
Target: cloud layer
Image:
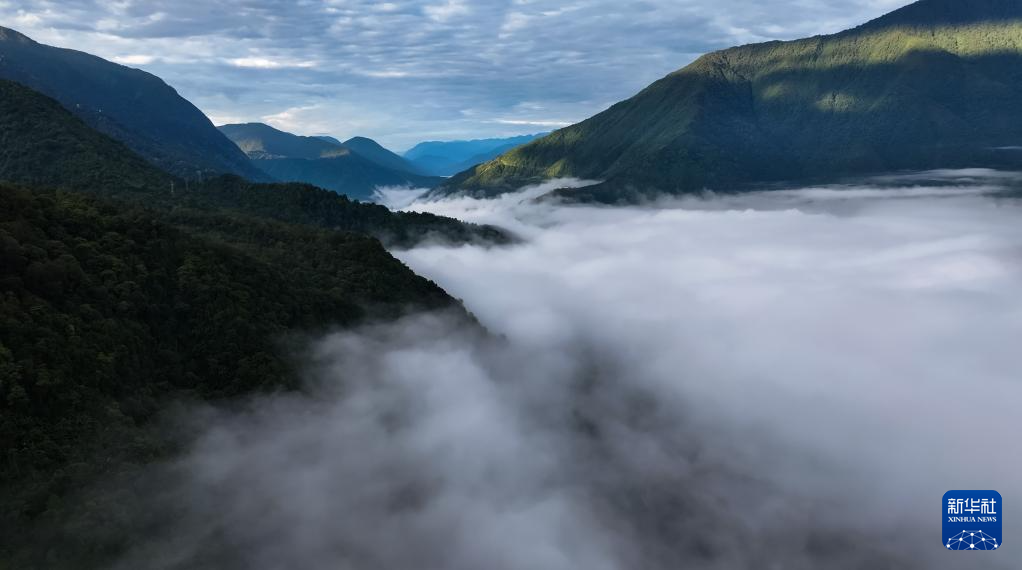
[(787, 380), (417, 70)]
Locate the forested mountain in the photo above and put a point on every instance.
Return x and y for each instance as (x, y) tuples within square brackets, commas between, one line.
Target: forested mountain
[(374, 151), (44, 145), (934, 84), (261, 141), (130, 105), (444, 158), (124, 289), (318, 161)]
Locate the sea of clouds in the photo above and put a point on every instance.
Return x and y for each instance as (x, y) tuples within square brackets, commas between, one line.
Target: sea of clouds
[(779, 380)]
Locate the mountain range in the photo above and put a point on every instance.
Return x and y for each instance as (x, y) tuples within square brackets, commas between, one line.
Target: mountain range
[(354, 168), (444, 158), (934, 84), (124, 289), (130, 105)]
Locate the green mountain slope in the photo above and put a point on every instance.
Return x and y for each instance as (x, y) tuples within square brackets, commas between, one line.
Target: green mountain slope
[(932, 85), (314, 160), (108, 314), (130, 105), (261, 141), (42, 144), (125, 290)]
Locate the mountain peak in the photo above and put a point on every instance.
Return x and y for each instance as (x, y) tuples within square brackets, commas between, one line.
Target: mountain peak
[(9, 35), (926, 13)]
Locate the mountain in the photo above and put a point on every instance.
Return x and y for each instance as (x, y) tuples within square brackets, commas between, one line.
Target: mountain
[(47, 146), (130, 105), (260, 141), (368, 148), (314, 160), (329, 139), (125, 290), (444, 158), (934, 84)]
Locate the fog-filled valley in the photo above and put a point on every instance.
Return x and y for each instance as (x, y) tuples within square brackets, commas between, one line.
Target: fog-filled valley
[(769, 380), (510, 285)]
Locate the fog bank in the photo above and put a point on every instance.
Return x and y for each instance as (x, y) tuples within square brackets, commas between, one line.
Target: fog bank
[(786, 380)]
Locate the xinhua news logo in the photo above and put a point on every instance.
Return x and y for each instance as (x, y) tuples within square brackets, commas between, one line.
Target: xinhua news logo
[(972, 520)]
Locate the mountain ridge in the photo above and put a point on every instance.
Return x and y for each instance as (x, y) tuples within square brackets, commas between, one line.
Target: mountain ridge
[(444, 158), (128, 104), (883, 96), (354, 170)]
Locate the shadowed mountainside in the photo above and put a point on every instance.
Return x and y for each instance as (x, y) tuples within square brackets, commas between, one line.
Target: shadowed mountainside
[(130, 105), (355, 171), (124, 290), (932, 85)]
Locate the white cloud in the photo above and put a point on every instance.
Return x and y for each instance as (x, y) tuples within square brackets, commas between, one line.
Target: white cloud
[(534, 122), (268, 63), (137, 59), (446, 11)]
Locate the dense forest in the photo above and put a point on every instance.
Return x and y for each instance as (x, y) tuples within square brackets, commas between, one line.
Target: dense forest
[(124, 289)]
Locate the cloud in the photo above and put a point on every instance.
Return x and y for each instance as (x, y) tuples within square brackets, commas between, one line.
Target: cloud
[(134, 59), (446, 11), (782, 380), (414, 65), (534, 122), (267, 63)]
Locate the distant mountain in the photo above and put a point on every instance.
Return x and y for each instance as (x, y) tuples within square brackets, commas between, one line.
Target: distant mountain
[(130, 105), (329, 139), (47, 146), (934, 84), (260, 141), (315, 160), (368, 148), (444, 158)]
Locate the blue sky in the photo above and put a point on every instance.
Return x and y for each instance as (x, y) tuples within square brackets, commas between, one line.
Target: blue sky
[(406, 71)]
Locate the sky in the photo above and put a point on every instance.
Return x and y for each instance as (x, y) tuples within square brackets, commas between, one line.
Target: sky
[(406, 71)]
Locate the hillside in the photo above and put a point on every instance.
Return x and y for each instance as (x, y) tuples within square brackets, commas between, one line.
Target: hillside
[(45, 145), (130, 105), (317, 161), (124, 291), (108, 315), (261, 141), (934, 84), (444, 158)]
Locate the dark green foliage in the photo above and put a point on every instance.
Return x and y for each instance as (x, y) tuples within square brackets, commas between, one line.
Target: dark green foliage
[(932, 85), (130, 105), (42, 144), (126, 290), (107, 312), (305, 204)]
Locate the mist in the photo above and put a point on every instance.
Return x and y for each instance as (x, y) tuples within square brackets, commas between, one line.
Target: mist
[(787, 379)]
